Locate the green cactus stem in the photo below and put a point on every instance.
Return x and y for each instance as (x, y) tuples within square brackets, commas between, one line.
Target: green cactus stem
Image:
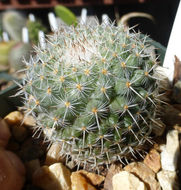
[(94, 89)]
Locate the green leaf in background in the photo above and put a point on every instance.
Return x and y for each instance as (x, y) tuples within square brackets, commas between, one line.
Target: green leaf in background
[(34, 28), (66, 15)]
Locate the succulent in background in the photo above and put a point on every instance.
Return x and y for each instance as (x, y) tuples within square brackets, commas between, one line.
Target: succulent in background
[(13, 22), (34, 27), (95, 90), (5, 48), (1, 29), (16, 55), (65, 15)]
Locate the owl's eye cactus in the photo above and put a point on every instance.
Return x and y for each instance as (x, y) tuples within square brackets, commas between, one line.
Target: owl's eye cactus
[(94, 89)]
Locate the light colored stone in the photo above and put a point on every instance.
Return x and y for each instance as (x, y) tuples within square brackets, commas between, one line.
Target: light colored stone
[(92, 177), (152, 160), (168, 180), (170, 152), (62, 174), (114, 169), (127, 181), (53, 154), (19, 132), (45, 179), (80, 183), (54, 177), (144, 173), (29, 121), (14, 118)]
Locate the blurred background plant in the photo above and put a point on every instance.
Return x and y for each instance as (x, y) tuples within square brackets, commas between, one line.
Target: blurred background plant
[(25, 25)]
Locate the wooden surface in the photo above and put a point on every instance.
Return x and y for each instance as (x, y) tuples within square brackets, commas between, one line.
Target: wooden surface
[(29, 4)]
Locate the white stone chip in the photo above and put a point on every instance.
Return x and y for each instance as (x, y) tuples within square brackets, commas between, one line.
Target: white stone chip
[(127, 181), (168, 180), (170, 152)]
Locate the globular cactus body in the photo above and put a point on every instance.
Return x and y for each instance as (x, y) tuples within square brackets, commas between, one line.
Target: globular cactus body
[(94, 90)]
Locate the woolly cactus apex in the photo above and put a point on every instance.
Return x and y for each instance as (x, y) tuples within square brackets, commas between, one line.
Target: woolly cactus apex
[(93, 89)]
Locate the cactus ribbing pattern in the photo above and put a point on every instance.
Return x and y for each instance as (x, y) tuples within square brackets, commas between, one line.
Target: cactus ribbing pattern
[(94, 89)]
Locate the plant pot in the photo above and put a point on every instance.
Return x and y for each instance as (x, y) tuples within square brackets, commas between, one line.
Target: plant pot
[(7, 102)]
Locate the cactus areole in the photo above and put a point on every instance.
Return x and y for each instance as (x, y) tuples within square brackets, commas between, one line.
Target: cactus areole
[(94, 90)]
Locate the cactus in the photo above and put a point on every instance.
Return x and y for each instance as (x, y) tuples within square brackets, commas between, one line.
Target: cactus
[(34, 27), (13, 22), (95, 90), (5, 48)]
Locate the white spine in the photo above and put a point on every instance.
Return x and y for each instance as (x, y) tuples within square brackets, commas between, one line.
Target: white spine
[(52, 22), (25, 35), (41, 37), (83, 16)]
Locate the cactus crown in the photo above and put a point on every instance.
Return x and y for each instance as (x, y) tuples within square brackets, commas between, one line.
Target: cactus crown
[(93, 89)]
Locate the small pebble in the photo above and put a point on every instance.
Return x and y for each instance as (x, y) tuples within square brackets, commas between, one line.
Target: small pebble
[(170, 151), (29, 121), (32, 148), (14, 118), (5, 133), (152, 160), (80, 183), (168, 180), (62, 174), (92, 177), (114, 169), (127, 181), (44, 179), (19, 132), (12, 171), (144, 173), (53, 154), (54, 177)]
